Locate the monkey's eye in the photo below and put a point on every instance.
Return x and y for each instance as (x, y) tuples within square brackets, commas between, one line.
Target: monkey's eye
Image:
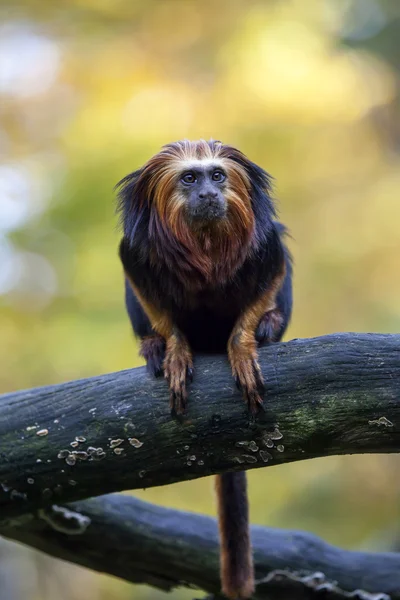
[(218, 176), (188, 178)]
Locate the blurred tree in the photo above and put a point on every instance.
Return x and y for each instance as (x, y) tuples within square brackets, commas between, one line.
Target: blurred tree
[(309, 89)]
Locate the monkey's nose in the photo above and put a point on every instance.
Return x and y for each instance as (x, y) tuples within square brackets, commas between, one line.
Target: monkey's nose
[(208, 195)]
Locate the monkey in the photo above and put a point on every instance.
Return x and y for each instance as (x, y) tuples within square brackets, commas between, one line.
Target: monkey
[(207, 270)]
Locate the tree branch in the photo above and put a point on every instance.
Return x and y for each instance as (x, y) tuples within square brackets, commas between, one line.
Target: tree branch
[(337, 394), (165, 548)]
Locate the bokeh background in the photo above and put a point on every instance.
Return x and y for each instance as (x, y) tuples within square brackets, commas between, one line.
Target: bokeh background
[(89, 89)]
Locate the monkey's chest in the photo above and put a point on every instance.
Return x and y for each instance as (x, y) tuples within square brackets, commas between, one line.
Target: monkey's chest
[(206, 330), (207, 316), (209, 323)]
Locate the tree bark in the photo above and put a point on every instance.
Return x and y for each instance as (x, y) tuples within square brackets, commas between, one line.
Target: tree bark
[(338, 394)]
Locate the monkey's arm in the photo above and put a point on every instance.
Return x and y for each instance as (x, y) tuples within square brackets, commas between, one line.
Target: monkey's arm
[(242, 344), (163, 335)]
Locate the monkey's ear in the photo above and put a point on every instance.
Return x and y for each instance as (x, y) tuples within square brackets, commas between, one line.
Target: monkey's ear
[(131, 204)]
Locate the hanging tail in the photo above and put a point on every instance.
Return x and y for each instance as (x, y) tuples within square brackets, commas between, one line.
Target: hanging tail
[(237, 572)]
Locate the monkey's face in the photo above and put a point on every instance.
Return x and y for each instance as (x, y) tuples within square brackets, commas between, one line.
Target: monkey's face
[(202, 186), (193, 191)]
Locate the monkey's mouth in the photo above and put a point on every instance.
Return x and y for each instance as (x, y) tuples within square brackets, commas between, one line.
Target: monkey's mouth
[(207, 212)]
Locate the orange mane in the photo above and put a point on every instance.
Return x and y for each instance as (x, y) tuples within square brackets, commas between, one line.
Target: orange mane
[(214, 253)]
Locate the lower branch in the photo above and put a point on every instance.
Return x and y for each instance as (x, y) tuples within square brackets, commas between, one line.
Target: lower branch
[(166, 548)]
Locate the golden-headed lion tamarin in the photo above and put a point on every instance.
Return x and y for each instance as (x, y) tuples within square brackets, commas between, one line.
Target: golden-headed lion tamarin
[(206, 270)]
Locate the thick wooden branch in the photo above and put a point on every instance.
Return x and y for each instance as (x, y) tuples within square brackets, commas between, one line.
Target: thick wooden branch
[(337, 394), (167, 548)]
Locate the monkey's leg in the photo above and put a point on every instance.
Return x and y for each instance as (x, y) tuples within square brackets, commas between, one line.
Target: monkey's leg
[(152, 348), (178, 369), (270, 327), (242, 345)]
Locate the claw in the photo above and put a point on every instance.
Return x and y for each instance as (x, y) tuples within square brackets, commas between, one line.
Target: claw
[(248, 379), (189, 374), (178, 401), (258, 379), (156, 370), (175, 414), (254, 402)]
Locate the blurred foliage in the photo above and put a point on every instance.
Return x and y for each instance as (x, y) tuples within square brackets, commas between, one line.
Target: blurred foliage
[(89, 89)]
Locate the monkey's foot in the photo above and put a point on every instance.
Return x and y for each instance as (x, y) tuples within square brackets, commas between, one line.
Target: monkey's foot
[(178, 370), (153, 351), (269, 328)]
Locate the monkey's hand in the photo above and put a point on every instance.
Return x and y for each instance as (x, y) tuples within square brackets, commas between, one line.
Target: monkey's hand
[(178, 370), (242, 353)]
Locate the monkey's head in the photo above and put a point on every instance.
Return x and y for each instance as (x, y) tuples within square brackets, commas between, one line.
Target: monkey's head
[(204, 196)]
